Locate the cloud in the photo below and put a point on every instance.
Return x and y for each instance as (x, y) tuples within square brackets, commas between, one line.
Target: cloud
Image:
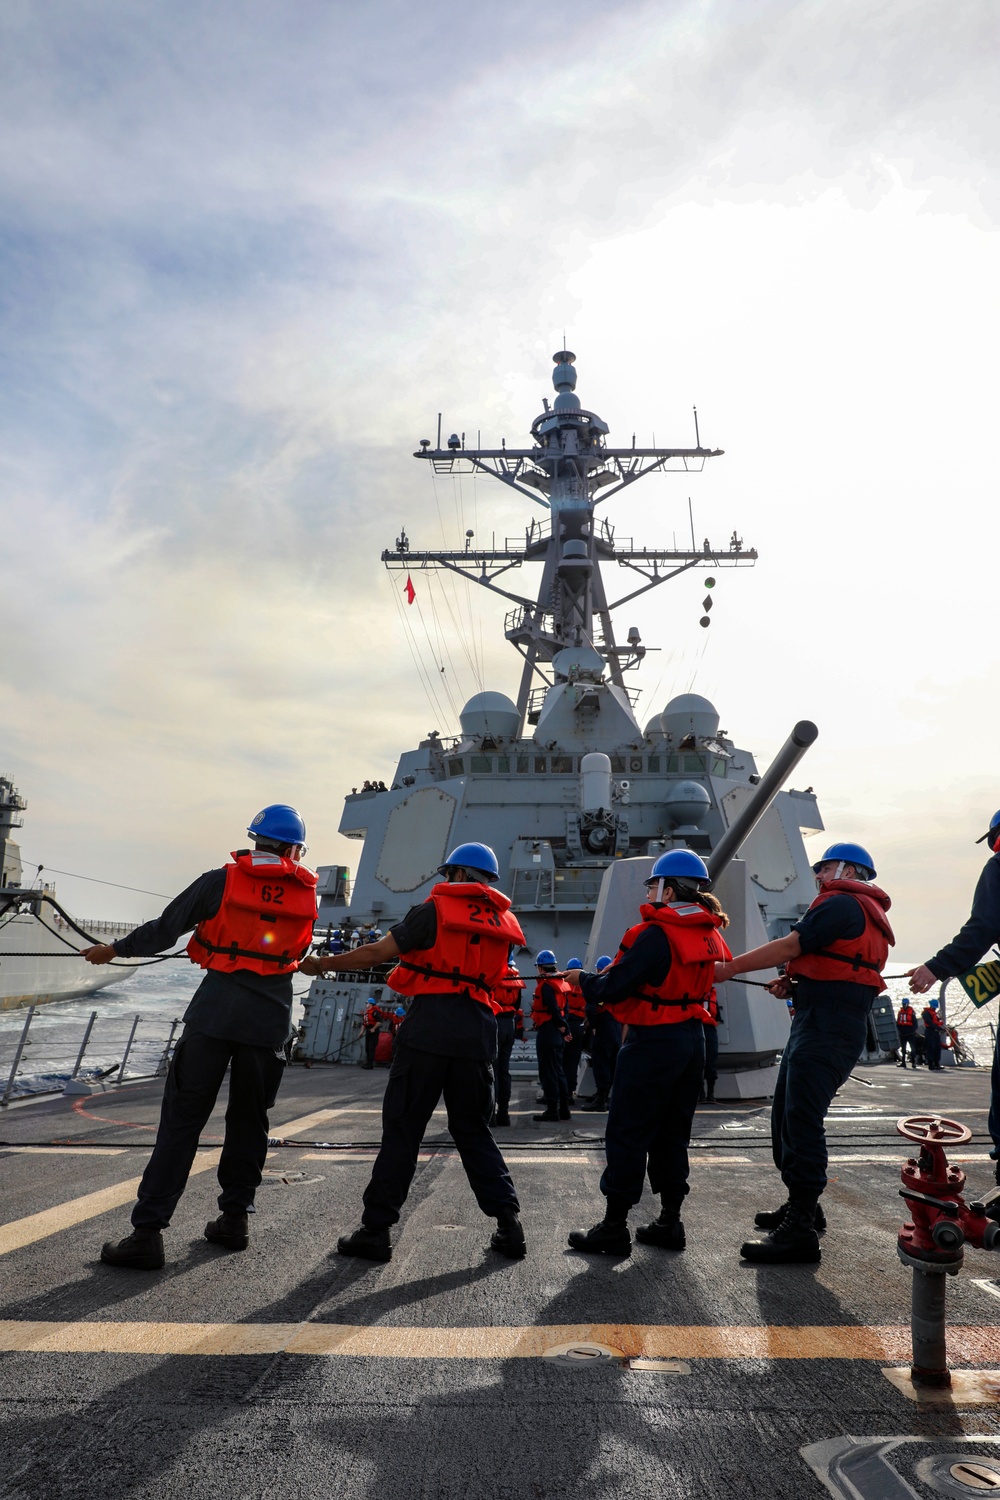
[(250, 252)]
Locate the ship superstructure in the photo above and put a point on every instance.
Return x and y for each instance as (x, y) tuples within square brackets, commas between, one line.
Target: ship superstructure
[(39, 939), (561, 780)]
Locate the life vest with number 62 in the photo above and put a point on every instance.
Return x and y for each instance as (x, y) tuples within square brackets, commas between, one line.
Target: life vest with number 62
[(857, 960), (475, 932), (265, 920), (696, 946)]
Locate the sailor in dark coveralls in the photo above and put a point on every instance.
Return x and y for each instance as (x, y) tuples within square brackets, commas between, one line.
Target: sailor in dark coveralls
[(453, 951), (966, 949), (833, 960), (253, 921)]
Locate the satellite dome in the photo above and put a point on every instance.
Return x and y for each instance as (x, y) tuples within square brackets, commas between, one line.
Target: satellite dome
[(686, 804), (690, 714), (490, 715), (653, 727), (578, 661)]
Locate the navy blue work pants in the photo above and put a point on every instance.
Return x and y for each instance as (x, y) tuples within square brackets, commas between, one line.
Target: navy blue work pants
[(574, 1051), (653, 1100), (823, 1047), (416, 1082), (550, 1049), (196, 1072), (604, 1048), (932, 1046), (501, 1068), (711, 1054), (906, 1039)]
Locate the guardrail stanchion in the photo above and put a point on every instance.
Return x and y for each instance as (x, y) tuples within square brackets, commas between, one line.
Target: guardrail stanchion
[(128, 1049), (8, 1087), (76, 1085), (164, 1062)]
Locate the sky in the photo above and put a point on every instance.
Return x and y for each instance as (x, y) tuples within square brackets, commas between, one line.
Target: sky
[(248, 252)]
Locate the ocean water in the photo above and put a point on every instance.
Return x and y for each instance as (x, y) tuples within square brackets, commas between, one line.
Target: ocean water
[(158, 995)]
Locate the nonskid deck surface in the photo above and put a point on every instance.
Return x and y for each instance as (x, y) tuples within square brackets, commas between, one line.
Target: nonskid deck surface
[(288, 1370)]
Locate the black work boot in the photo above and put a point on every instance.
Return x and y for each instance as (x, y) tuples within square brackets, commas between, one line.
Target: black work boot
[(793, 1242), (551, 1113), (610, 1237), (368, 1244), (666, 1231), (710, 1094), (502, 1117), (230, 1230), (564, 1112), (509, 1237), (771, 1220), (597, 1106), (141, 1251)]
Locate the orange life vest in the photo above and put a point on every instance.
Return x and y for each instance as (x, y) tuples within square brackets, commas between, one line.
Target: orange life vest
[(932, 1019), (475, 932), (507, 995), (540, 1012), (576, 1005), (906, 1016), (265, 920), (712, 1006), (373, 1018), (695, 948), (857, 960)]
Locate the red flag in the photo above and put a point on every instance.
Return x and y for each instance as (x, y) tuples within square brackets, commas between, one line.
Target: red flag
[(411, 592)]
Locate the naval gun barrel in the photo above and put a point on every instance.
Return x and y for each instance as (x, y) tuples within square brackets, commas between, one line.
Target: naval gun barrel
[(787, 758)]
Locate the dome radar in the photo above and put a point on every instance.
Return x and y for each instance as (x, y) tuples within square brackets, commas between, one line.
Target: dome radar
[(690, 714), (490, 716)]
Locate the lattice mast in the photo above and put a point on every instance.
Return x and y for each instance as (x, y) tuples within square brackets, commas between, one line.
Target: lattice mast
[(568, 472)]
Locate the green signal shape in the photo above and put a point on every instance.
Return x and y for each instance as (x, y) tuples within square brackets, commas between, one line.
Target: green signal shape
[(710, 583)]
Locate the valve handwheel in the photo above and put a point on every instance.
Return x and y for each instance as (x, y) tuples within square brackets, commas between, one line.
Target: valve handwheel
[(934, 1130)]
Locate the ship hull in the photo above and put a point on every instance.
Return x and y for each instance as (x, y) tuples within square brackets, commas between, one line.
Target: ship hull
[(38, 965)]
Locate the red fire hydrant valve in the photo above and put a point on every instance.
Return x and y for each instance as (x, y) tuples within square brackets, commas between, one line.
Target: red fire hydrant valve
[(941, 1220)]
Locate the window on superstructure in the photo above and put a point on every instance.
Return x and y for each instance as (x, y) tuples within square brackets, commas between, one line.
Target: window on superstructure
[(481, 763), (654, 762), (503, 765), (562, 765), (539, 765), (692, 763), (718, 766), (523, 765), (456, 767), (618, 763)]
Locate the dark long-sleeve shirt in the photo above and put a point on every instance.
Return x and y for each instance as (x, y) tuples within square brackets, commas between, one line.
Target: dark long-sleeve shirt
[(254, 1009), (980, 931), (646, 962)]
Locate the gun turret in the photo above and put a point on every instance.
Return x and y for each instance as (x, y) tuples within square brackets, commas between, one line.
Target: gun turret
[(787, 758)]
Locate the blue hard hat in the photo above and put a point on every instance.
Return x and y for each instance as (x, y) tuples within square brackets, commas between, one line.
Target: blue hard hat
[(994, 821), (602, 963), (851, 854), (933, 1004), (680, 864), (574, 963), (401, 1010), (478, 857), (279, 822), (546, 959)]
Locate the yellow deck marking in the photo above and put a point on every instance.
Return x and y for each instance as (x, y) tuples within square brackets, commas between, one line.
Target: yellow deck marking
[(309, 1122), (974, 1345), (65, 1150), (51, 1220)]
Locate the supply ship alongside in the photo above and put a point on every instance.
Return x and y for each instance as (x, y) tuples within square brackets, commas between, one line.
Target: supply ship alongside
[(577, 798), (39, 939)]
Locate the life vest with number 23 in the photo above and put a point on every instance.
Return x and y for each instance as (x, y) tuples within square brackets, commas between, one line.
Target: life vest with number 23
[(265, 920), (475, 931), (857, 960), (696, 946)]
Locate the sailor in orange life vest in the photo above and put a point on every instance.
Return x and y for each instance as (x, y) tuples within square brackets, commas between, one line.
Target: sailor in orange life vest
[(933, 1036), (552, 1036), (906, 1025), (834, 958), (453, 950), (510, 1028), (253, 921), (371, 1025), (658, 983)]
